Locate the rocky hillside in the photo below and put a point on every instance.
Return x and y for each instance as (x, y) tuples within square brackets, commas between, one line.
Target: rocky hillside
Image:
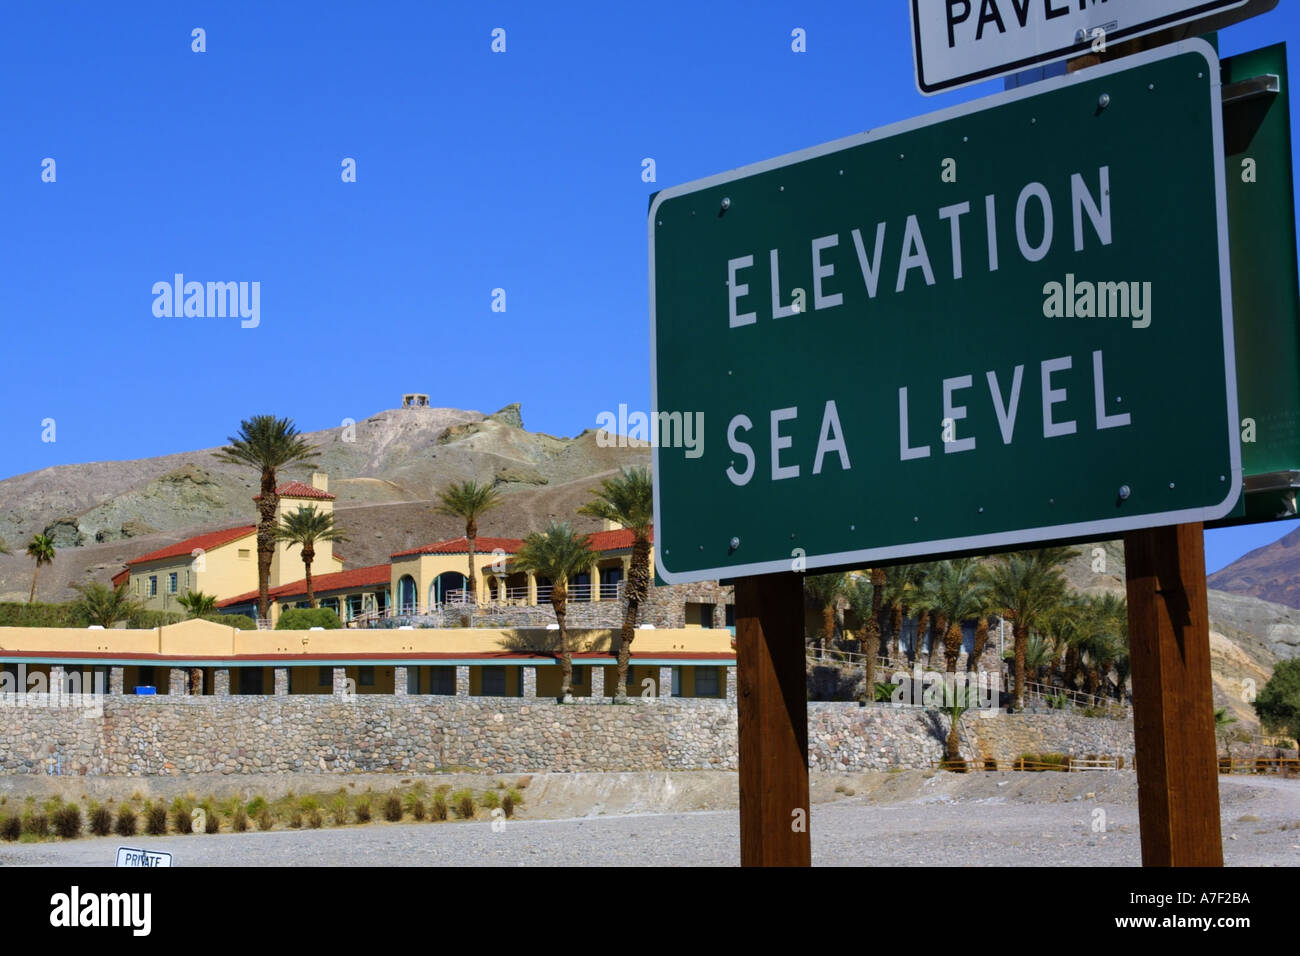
[(385, 470), (1271, 572)]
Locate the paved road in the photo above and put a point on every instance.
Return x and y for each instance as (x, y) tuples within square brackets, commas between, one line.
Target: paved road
[(849, 833)]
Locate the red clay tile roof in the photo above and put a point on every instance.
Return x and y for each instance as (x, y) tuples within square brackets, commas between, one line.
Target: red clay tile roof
[(206, 542), (320, 583), (461, 546), (121, 577), (612, 540), (298, 489)]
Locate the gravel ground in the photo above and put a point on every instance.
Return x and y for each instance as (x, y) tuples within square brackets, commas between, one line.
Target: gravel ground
[(889, 820)]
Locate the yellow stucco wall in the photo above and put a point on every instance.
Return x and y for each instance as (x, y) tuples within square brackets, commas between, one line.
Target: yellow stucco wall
[(208, 638)]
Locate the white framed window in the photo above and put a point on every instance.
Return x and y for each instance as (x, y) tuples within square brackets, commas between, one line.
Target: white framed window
[(171, 582), (153, 585)]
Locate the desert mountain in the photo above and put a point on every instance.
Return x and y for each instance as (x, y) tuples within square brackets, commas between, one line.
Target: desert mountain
[(385, 471), (1271, 572)]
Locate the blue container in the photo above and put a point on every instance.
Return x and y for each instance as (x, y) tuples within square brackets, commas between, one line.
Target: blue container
[(146, 690)]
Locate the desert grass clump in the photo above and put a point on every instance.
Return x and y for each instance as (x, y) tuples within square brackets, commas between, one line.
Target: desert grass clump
[(182, 816), (438, 807), (265, 819), (101, 820), (239, 821), (339, 809), (508, 804), (490, 799), (363, 811), (67, 821), (315, 819), (36, 824), (126, 823), (11, 828), (155, 819), (415, 804), (256, 806), (392, 808), (295, 820), (213, 822), (462, 801)]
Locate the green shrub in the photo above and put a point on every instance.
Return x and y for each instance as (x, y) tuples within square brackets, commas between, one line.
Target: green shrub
[(490, 800), (67, 821), (256, 805), (146, 620), (308, 804), (363, 811), (239, 822), (438, 807), (393, 808), (101, 820), (126, 823), (13, 614), (463, 803), (36, 824), (155, 819), (241, 621), (515, 796), (11, 828), (305, 618)]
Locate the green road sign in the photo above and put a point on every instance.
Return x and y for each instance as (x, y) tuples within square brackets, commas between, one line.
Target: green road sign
[(1002, 323), (1265, 302)]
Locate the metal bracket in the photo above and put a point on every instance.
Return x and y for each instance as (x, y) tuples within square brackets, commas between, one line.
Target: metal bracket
[(1269, 84)]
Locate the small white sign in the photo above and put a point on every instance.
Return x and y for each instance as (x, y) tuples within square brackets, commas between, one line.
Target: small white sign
[(959, 42), (129, 856)]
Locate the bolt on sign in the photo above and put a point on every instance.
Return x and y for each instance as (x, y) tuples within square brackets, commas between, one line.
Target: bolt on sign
[(1007, 322), (959, 42)]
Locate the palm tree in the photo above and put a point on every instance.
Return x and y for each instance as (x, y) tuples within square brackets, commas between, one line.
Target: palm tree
[(957, 590), (919, 598), (1027, 585), (957, 700), (468, 500), (895, 594), (628, 500), (103, 605), (198, 603), (557, 553), (41, 550), (825, 591), (863, 595), (305, 527), (267, 443)]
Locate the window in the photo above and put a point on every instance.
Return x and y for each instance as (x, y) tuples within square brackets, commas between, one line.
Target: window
[(677, 682), (354, 605), (365, 677), (153, 585), (144, 677), (494, 681), (442, 680), (699, 615), (579, 675), (706, 682), (325, 676), (171, 583), (731, 615)]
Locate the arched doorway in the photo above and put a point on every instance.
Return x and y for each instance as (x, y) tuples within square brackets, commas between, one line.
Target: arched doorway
[(406, 599), (446, 583)]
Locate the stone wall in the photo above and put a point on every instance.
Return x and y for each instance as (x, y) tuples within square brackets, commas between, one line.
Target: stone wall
[(169, 735)]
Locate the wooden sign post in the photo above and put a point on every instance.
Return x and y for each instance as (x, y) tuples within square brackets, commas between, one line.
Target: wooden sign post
[(1173, 706), (772, 720)]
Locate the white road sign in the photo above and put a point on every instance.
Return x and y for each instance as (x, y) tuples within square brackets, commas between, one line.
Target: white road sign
[(129, 856), (959, 42)]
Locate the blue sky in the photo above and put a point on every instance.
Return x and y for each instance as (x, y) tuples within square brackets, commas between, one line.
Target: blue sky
[(475, 171)]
